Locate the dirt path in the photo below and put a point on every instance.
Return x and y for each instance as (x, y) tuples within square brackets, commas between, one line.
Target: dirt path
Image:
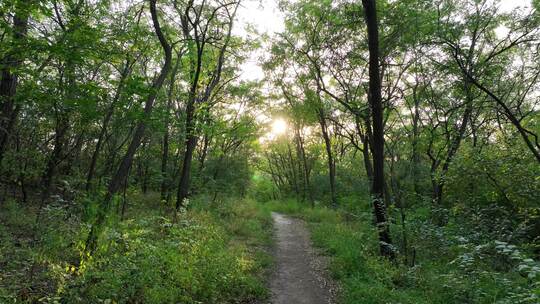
[(300, 276)]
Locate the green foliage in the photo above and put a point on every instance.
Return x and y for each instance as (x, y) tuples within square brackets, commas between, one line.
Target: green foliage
[(262, 189), (208, 257), (449, 268), (152, 260), (33, 257)]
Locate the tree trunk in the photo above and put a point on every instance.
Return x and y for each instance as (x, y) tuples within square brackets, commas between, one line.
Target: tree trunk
[(61, 131), (294, 176), (47, 179), (365, 150), (122, 172), (306, 169), (215, 77), (9, 111), (300, 162), (191, 144), (108, 116), (204, 152), (415, 154), (164, 163), (23, 163), (375, 99), (165, 152), (454, 145), (329, 156), (74, 157)]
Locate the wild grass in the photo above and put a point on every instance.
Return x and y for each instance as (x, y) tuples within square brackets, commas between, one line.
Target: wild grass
[(438, 276), (206, 255)]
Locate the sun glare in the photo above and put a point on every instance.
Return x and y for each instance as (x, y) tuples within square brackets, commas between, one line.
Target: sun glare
[(279, 126)]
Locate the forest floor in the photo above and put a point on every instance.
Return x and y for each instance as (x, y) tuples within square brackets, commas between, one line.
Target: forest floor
[(300, 274), (212, 253)]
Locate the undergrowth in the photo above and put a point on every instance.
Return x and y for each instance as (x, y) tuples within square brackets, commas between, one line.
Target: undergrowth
[(209, 254), (453, 272)]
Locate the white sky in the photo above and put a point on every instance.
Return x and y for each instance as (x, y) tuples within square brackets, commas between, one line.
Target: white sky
[(263, 14), (265, 17), (508, 5)]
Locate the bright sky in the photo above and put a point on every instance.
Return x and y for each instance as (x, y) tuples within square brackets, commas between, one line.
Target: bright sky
[(277, 128), (508, 5), (265, 17), (263, 14)]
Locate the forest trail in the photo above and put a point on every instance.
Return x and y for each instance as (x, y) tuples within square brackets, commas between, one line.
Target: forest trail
[(299, 276)]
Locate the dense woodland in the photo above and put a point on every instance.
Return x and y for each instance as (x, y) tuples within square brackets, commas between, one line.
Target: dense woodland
[(139, 164)]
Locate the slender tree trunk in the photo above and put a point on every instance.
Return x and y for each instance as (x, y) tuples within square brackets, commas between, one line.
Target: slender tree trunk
[(294, 174), (108, 116), (306, 169), (191, 122), (288, 177), (375, 99), (454, 145), (415, 153), (22, 169), (73, 159), (394, 179), (124, 197), (164, 163), (365, 150), (9, 111), (191, 144), (300, 162), (275, 176), (329, 156), (61, 131), (120, 175), (165, 152), (145, 180), (62, 126), (436, 196), (204, 152), (143, 167), (183, 189), (367, 161)]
